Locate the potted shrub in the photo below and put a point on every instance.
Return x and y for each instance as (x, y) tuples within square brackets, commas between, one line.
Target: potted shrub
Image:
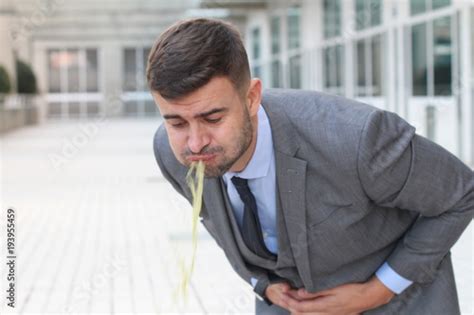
[(27, 87), (25, 78), (5, 85)]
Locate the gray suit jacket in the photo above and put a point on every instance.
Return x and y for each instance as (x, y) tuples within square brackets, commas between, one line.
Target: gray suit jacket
[(357, 187)]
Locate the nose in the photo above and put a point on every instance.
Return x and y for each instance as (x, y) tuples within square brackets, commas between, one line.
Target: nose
[(197, 140)]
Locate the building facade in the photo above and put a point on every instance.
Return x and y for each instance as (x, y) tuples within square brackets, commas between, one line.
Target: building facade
[(90, 56), (412, 57)]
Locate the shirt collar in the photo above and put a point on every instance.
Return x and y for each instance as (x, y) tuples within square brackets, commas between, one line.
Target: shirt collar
[(259, 163)]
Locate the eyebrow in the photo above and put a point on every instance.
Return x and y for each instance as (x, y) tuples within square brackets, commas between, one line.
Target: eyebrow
[(210, 112)]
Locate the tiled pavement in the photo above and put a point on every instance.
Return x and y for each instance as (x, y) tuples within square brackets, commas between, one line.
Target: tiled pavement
[(98, 229)]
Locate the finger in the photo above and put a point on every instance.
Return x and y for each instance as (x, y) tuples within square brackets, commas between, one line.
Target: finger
[(319, 293), (284, 287), (285, 299), (318, 304), (294, 294), (302, 293)]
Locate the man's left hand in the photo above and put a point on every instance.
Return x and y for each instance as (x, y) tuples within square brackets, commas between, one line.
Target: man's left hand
[(347, 299)]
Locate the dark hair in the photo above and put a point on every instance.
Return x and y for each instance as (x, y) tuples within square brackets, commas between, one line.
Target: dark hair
[(191, 52)]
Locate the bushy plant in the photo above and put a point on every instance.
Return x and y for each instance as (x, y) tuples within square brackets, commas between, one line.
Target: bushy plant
[(5, 84), (26, 79)]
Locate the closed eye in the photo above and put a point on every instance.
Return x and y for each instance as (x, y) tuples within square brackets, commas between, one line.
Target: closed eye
[(178, 125), (212, 121)]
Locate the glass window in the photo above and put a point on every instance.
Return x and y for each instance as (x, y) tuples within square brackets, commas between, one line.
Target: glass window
[(150, 107), (92, 71), (375, 12), (146, 52), (376, 58), (360, 14), (276, 66), (74, 109), (275, 34), (256, 72), (440, 3), (134, 69), (92, 109), (332, 18), (442, 51), (417, 6), (333, 68), (295, 72), (293, 27), (430, 122), (54, 71), (360, 68), (142, 74), (276, 74), (369, 66), (130, 108), (419, 65), (54, 109), (72, 65), (256, 51), (420, 6), (256, 43), (327, 65), (440, 46), (129, 70), (339, 66), (368, 13)]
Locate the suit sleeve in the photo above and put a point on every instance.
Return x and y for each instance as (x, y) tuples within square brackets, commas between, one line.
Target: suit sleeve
[(400, 169), (163, 169)]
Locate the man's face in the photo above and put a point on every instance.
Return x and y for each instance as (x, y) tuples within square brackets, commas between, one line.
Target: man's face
[(212, 124)]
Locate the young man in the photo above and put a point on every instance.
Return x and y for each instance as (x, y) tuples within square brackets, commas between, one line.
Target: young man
[(324, 205)]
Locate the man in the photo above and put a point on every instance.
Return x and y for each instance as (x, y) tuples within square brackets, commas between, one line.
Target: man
[(324, 205)]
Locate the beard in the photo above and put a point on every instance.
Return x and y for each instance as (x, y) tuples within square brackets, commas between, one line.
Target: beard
[(242, 144), (237, 149)]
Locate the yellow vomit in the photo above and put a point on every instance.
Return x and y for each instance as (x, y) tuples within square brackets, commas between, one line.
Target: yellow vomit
[(195, 181)]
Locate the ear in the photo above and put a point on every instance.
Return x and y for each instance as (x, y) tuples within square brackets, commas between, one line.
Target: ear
[(254, 96)]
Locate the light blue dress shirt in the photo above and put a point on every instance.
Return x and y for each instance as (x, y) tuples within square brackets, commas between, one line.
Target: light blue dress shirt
[(260, 172)]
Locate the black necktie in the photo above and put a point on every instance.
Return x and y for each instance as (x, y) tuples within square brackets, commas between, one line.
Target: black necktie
[(251, 229)]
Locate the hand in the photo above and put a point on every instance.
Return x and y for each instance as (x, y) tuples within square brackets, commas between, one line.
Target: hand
[(351, 298), (278, 291)]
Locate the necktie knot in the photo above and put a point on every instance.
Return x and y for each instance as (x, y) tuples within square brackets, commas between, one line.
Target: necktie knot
[(239, 182), (242, 187)]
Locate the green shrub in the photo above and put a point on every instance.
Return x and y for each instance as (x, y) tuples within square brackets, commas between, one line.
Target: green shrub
[(5, 85), (25, 78)]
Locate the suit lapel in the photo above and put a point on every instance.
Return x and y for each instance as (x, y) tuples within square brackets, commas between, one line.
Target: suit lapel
[(291, 176), (215, 205), (291, 181)]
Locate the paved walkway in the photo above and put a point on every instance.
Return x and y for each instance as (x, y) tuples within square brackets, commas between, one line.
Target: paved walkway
[(98, 229)]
